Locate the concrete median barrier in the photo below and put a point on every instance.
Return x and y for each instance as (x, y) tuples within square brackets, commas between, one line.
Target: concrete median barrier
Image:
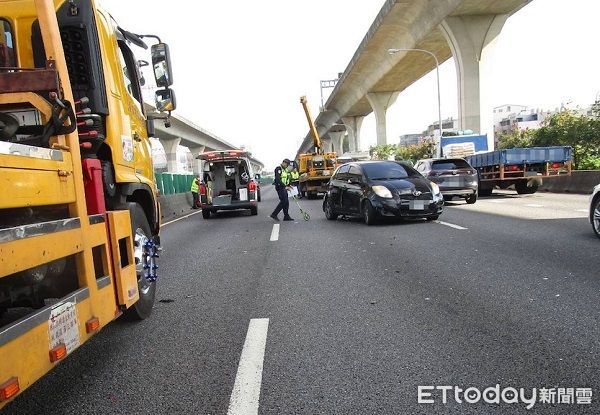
[(580, 182), (176, 205)]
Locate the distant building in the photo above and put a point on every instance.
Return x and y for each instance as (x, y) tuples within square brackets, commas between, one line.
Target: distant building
[(508, 118), (407, 140), (503, 111), (449, 124)]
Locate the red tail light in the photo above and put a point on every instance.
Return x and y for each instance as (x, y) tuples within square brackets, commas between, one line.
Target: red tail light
[(202, 189), (557, 165), (252, 186), (512, 168)]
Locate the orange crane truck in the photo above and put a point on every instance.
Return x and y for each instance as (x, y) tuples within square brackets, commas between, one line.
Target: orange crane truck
[(315, 168), (79, 212)]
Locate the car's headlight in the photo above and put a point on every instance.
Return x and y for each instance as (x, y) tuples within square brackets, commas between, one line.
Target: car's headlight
[(382, 191), (435, 188)]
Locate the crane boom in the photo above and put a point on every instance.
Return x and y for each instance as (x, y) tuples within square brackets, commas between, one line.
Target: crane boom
[(311, 125)]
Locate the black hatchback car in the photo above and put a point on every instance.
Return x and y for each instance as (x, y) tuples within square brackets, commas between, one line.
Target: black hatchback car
[(373, 189)]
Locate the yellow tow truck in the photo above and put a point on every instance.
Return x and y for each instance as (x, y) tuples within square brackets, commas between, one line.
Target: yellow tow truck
[(317, 167), (79, 212)]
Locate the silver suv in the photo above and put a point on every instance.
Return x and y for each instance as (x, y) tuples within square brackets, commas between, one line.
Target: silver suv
[(454, 176)]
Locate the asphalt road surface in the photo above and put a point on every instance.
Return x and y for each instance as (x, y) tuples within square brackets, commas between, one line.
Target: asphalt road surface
[(350, 319)]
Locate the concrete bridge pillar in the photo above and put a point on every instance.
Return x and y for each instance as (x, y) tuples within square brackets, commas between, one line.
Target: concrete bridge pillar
[(197, 164), (337, 139), (170, 147), (380, 102), (326, 143), (468, 36), (353, 125)]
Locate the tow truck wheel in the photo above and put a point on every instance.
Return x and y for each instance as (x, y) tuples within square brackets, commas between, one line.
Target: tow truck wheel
[(147, 289), (254, 211), (108, 179)]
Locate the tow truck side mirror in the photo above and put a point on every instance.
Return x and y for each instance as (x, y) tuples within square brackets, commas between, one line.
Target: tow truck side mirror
[(161, 63), (165, 100)]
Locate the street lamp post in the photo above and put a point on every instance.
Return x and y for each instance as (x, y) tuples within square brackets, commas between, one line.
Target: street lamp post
[(437, 71)]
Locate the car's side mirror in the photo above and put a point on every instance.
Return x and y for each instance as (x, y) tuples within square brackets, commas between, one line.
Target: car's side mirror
[(161, 63), (257, 176), (165, 100)]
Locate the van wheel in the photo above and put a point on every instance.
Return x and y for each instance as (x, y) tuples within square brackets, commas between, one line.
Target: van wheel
[(147, 289), (206, 213), (254, 211)]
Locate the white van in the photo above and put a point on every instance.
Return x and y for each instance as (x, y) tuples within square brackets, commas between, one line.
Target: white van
[(228, 182)]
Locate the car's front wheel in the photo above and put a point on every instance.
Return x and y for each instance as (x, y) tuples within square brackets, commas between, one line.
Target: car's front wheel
[(471, 199), (328, 209), (596, 216), (369, 213), (206, 213)]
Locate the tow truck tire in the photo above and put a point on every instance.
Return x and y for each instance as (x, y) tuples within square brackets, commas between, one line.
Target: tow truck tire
[(206, 213), (108, 179), (254, 211), (147, 290)]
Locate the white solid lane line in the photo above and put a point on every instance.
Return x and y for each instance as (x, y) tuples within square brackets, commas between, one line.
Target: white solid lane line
[(534, 205), (181, 218), (246, 389), (582, 210), (275, 232), (451, 225)]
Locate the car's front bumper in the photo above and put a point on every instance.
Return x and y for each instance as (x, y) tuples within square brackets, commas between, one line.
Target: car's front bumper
[(459, 191), (402, 208)]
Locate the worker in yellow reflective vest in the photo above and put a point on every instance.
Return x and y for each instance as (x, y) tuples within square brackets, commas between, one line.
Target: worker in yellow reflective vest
[(194, 190), (282, 183), (295, 179)]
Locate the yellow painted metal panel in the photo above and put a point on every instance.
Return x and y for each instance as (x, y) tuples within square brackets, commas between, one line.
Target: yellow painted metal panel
[(26, 357), (31, 188), (126, 277), (26, 253)]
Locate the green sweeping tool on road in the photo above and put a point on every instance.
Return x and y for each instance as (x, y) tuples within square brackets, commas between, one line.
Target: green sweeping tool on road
[(305, 215)]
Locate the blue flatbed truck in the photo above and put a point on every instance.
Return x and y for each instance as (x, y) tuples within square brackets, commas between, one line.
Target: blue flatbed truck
[(525, 168)]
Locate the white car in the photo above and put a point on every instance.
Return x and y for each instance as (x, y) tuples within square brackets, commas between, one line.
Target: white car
[(595, 210)]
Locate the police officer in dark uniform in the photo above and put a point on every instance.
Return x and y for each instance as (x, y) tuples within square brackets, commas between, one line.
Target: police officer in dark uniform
[(282, 183)]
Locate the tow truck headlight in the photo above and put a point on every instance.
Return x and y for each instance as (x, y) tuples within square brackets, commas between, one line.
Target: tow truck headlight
[(382, 191)]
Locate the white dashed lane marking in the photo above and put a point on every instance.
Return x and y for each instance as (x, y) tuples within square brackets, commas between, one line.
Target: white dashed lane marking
[(275, 233), (451, 225), (246, 389)]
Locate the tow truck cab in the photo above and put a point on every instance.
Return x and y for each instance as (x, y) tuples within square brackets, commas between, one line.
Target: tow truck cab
[(228, 182)]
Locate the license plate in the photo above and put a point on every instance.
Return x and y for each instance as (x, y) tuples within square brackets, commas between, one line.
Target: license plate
[(417, 204), (454, 182)]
